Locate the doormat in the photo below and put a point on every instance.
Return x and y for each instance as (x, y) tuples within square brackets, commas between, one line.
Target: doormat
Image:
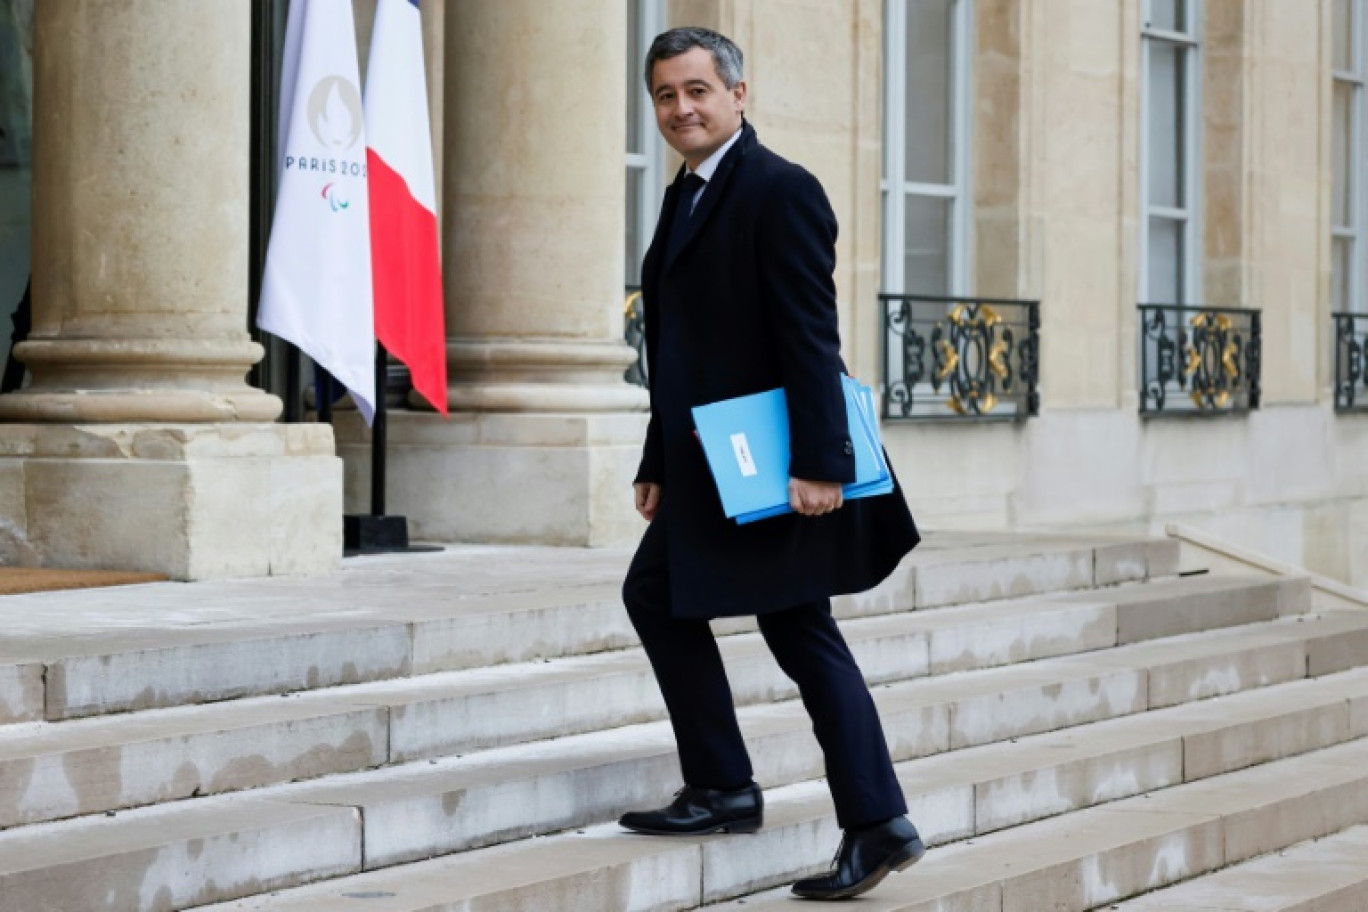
[(17, 580)]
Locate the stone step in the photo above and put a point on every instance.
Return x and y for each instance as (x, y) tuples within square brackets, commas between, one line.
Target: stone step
[(75, 767), (73, 655), (965, 794), (1325, 875), (56, 770), (1093, 858), (428, 808)]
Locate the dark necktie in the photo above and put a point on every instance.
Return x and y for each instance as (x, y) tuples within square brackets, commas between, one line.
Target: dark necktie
[(689, 185)]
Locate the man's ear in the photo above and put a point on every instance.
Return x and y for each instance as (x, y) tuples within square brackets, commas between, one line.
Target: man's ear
[(739, 95)]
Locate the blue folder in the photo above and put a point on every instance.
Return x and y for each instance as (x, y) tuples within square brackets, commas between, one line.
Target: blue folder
[(746, 441)]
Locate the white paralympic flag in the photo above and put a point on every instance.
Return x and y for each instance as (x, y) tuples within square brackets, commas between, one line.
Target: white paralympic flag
[(316, 290)]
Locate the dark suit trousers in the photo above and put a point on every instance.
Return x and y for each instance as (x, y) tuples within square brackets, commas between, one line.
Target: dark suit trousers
[(811, 651)]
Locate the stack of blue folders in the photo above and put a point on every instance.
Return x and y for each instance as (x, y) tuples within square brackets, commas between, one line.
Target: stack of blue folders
[(746, 440)]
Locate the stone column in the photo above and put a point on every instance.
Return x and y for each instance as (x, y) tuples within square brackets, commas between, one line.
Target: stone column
[(544, 434), (141, 444)]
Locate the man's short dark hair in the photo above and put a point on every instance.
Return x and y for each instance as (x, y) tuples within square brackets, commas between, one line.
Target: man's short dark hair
[(727, 57)]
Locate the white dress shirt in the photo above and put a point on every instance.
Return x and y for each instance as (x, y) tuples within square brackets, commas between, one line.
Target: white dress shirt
[(708, 166)]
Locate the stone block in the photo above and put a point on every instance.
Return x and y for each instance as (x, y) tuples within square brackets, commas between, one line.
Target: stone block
[(123, 672), (1055, 785), (1247, 743), (1275, 805), (519, 627), (600, 868), (305, 515), (21, 691), (1124, 562), (410, 817), (1338, 652), (1115, 857), (1322, 876), (437, 721), (1358, 716), (1163, 557), (554, 479), (1201, 677), (163, 858), (1045, 700), (1294, 595), (1010, 634), (1186, 606), (110, 764), (1002, 573), (194, 502)]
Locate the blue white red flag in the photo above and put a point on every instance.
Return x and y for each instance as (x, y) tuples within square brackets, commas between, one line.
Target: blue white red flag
[(405, 251), (316, 290)]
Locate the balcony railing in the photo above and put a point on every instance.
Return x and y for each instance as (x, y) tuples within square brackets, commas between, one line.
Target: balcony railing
[(1199, 360), (974, 359), (634, 331), (1351, 362)]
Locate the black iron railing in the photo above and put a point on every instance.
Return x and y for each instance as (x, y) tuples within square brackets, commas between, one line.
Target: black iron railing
[(960, 358), (1199, 360), (1351, 362), (634, 331)]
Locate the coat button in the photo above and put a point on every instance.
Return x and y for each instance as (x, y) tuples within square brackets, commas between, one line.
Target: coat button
[(849, 448)]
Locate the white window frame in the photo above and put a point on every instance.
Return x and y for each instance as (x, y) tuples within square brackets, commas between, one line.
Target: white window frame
[(1353, 231), (893, 185), (647, 165), (1189, 40)]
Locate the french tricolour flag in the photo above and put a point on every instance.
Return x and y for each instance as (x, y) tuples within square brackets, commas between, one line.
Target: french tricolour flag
[(405, 266)]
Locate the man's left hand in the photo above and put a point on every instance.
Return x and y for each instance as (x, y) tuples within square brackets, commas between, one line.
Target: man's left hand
[(814, 498)]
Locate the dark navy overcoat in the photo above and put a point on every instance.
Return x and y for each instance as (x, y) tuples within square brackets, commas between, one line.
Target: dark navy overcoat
[(745, 302)]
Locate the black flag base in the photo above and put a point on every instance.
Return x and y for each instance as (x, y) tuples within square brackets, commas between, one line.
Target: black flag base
[(368, 534)]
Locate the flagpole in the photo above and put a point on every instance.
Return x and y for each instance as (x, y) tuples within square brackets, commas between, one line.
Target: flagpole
[(379, 434)]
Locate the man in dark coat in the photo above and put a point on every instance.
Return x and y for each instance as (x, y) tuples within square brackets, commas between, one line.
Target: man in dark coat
[(739, 299)]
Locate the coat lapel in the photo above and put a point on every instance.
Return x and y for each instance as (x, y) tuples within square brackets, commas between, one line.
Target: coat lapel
[(716, 188)]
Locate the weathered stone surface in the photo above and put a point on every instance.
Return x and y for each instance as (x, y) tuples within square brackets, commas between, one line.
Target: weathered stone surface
[(141, 671), (1299, 730), (1000, 571), (1181, 681), (1327, 875), (158, 859), (596, 869), (53, 771), (1120, 563), (21, 691), (1192, 604)]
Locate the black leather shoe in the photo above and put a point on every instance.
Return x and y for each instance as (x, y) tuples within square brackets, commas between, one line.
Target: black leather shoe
[(697, 811), (865, 858)]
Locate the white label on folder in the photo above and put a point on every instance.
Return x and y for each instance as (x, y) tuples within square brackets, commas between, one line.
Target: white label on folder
[(743, 455)]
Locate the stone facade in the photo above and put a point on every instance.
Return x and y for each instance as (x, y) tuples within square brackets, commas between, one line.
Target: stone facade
[(528, 101)]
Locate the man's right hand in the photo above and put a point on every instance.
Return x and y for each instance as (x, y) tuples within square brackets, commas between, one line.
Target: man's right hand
[(647, 499)]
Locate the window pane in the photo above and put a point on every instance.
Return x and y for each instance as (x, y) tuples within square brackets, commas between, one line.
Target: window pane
[(1165, 261), (1343, 29), (1342, 115), (929, 96), (1169, 15), (1341, 259), (636, 59), (926, 248), (1166, 78), (635, 229)]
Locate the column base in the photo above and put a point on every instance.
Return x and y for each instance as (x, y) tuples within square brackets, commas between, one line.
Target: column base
[(511, 478), (191, 501)]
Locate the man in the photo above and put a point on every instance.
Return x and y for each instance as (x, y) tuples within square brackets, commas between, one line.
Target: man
[(739, 299)]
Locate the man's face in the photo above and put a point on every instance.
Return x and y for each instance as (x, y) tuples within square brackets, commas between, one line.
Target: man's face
[(695, 111)]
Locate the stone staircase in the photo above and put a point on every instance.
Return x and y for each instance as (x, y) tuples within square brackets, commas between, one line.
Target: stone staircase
[(1074, 724)]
